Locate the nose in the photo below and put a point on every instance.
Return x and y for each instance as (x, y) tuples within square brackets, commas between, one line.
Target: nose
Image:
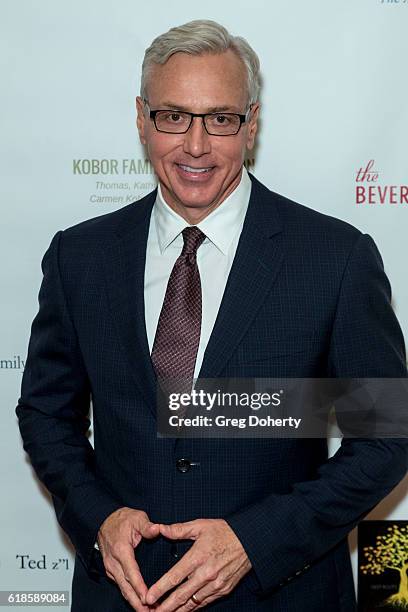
[(196, 140)]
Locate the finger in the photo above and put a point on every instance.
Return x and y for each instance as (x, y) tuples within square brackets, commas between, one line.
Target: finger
[(126, 588), (181, 597), (188, 606), (173, 577), (177, 599), (149, 529), (129, 593), (209, 592), (192, 605), (132, 574), (181, 531), (204, 601), (205, 582), (145, 530), (214, 587)]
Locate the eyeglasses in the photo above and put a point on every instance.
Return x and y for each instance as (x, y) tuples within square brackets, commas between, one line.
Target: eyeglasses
[(216, 124)]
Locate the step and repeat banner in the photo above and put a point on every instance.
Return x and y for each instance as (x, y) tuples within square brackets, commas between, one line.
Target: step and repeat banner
[(333, 135)]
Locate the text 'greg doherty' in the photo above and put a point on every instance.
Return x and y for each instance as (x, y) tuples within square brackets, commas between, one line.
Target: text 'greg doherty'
[(241, 423), (207, 400)]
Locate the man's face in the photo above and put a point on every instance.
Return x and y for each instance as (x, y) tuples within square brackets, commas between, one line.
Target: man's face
[(199, 84)]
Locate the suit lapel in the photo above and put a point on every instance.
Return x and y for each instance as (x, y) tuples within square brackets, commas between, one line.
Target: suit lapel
[(254, 269), (125, 259)]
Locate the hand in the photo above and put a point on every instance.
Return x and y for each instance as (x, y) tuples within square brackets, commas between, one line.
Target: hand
[(117, 538), (214, 565)]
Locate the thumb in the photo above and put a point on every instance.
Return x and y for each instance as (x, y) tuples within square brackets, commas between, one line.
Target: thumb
[(180, 531), (149, 529)]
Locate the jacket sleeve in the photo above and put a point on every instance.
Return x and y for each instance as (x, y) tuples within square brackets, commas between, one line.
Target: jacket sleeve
[(284, 534), (53, 416)]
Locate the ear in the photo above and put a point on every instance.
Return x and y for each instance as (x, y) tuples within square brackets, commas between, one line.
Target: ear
[(141, 119), (252, 126)]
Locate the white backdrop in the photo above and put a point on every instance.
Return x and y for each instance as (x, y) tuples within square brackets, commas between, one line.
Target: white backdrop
[(334, 98)]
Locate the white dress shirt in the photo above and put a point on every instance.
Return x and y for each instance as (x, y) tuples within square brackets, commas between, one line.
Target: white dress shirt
[(222, 228)]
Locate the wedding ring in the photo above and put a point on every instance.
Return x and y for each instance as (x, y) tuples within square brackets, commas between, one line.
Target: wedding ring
[(196, 601)]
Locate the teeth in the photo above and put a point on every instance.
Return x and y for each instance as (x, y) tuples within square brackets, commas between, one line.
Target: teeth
[(190, 169)]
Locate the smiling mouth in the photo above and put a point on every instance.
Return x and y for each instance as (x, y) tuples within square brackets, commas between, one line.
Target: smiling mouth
[(195, 170)]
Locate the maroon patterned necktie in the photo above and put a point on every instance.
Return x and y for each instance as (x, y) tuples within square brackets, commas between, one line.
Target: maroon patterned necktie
[(178, 331)]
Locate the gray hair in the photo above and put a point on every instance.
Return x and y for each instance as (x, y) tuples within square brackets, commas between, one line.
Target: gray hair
[(198, 37)]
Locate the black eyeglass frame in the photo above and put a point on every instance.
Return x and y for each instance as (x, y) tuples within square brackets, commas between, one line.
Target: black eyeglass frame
[(153, 113)]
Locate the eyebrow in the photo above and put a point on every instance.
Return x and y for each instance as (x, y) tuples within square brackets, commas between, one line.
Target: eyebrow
[(212, 109)]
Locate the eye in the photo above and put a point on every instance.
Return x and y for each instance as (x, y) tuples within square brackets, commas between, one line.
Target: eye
[(174, 117), (221, 119)]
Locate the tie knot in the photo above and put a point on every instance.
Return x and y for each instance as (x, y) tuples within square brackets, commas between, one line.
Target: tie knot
[(193, 237)]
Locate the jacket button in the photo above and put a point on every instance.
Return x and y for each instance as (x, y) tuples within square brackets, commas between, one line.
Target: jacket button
[(183, 465)]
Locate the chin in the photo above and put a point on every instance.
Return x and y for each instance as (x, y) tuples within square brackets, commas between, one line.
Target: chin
[(197, 201)]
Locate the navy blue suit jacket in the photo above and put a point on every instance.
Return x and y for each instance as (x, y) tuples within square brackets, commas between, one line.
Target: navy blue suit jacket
[(307, 296)]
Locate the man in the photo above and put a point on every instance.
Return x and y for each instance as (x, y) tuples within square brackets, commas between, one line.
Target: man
[(256, 286)]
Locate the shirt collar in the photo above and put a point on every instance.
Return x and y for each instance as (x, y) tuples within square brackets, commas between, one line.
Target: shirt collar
[(220, 226)]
